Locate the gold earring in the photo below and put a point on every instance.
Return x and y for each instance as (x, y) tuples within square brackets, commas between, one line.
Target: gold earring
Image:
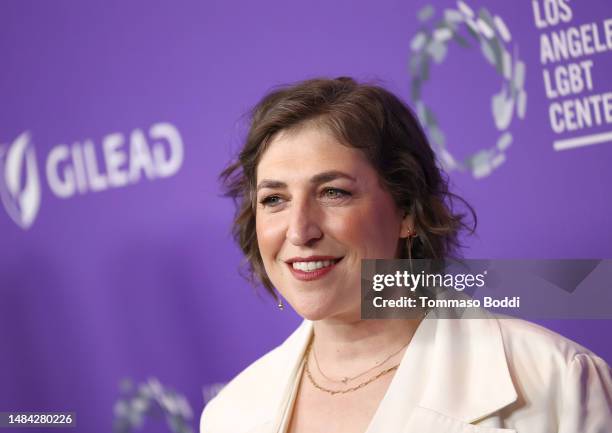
[(411, 235)]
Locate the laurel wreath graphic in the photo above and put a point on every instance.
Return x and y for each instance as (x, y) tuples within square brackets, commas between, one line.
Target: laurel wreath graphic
[(151, 400), (430, 45)]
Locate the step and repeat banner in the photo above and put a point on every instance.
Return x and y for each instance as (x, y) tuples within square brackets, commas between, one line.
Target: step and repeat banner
[(121, 301)]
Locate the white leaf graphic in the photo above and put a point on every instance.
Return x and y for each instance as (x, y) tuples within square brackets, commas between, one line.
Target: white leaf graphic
[(467, 11), (22, 204), (13, 163), (506, 64), (452, 16), (437, 51), (418, 41), (522, 104), (487, 51), (502, 108), (503, 29), (519, 75), (504, 141), (498, 160), (442, 34), (485, 29)]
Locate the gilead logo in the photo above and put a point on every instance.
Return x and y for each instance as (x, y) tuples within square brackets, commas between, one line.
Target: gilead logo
[(83, 167)]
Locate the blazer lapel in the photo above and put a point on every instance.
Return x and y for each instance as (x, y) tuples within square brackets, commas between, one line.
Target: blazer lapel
[(281, 380), (453, 373)]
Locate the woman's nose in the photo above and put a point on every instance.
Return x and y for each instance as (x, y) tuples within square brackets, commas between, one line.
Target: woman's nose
[(304, 227)]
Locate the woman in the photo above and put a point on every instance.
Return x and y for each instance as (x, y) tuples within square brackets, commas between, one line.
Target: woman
[(333, 172)]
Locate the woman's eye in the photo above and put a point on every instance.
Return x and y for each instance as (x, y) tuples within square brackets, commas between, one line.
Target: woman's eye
[(335, 193), (271, 200)]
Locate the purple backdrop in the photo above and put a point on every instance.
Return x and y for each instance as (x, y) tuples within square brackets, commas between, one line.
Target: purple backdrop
[(140, 280)]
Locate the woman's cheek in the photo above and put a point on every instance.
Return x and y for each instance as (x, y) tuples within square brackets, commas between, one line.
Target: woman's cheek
[(269, 236), (345, 225)]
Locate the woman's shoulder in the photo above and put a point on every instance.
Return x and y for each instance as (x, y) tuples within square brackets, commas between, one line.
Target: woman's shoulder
[(550, 370), (255, 390), (529, 344)]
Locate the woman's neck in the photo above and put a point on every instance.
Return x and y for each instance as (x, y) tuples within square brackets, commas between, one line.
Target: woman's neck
[(343, 348)]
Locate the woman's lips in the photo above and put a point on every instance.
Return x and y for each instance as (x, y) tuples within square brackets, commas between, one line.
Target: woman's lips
[(314, 274)]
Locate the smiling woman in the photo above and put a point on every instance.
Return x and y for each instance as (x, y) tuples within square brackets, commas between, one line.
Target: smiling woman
[(334, 172), (321, 203)]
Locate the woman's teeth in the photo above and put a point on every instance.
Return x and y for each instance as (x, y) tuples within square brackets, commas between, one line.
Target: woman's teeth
[(311, 266)]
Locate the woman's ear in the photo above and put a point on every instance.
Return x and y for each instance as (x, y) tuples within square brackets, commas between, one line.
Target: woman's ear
[(407, 226)]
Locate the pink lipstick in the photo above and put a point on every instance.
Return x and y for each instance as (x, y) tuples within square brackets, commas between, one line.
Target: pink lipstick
[(313, 267)]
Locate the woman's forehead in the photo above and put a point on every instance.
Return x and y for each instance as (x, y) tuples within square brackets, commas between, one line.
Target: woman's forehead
[(306, 152)]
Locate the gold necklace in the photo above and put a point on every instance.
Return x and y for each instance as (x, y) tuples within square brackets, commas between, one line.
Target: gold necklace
[(343, 391), (347, 378)]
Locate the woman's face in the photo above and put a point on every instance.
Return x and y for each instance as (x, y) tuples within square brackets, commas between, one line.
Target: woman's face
[(320, 210)]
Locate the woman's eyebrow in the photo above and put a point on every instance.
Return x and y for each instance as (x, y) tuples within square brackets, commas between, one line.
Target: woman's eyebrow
[(272, 184), (326, 176)]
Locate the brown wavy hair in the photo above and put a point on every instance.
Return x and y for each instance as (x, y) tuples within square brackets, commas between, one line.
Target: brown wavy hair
[(363, 116)]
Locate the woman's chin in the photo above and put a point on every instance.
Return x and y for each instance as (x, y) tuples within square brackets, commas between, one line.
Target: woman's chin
[(320, 311), (312, 313), (311, 309)]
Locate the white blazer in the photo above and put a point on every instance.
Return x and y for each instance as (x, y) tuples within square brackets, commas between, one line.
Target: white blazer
[(456, 376)]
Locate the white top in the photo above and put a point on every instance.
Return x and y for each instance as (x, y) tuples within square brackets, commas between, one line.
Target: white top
[(456, 376)]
